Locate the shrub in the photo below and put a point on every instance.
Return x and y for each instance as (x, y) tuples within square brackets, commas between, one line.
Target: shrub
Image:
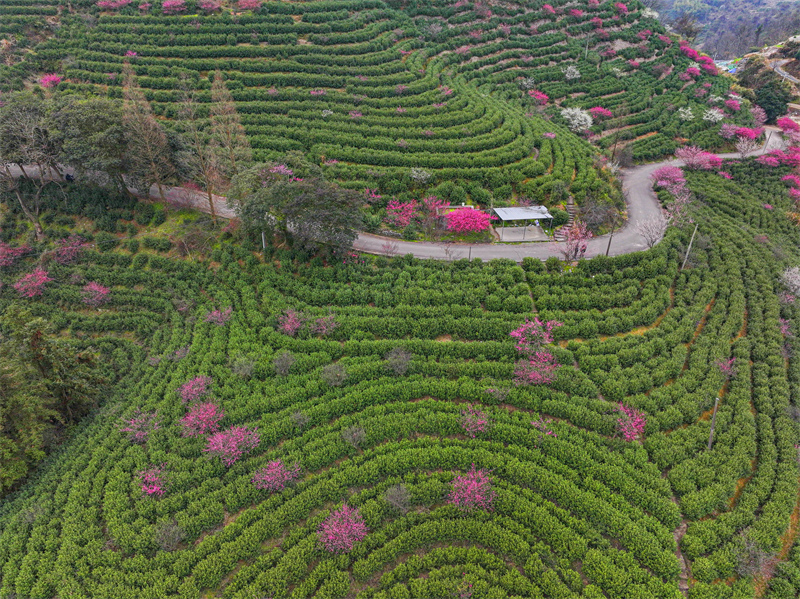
[(472, 490), (195, 389), (342, 529), (276, 476), (140, 425), (232, 444), (202, 419), (32, 284)]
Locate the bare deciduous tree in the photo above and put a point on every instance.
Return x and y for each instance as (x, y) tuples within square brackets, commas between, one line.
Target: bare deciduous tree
[(150, 154), (652, 230), (283, 363), (354, 435), (227, 133), (398, 497), (397, 360), (334, 374), (745, 145)]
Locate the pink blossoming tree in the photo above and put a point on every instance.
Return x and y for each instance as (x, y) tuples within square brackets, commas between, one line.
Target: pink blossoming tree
[(474, 421), (69, 249), (140, 425), (342, 529), (631, 424), (202, 418), (598, 112), (232, 444), (153, 480), (468, 220), (290, 322), (50, 80), (400, 214), (540, 98), (276, 476), (195, 388), (95, 294), (9, 255), (173, 7), (219, 317), (726, 367), (472, 491), (576, 242), (32, 284)]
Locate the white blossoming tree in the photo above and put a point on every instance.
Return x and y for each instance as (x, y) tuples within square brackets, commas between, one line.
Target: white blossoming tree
[(577, 119), (686, 114)]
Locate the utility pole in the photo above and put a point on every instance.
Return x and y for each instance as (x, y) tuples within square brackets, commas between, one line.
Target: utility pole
[(689, 249), (613, 226), (713, 423), (766, 143)]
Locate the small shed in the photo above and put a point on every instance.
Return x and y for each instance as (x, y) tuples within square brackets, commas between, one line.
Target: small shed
[(524, 213)]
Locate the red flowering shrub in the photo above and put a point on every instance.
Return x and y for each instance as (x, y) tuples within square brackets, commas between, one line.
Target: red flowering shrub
[(342, 529), (468, 220), (541, 98), (69, 249), (598, 112), (50, 80), (472, 490), (276, 476), (232, 444), (202, 418), (32, 285)]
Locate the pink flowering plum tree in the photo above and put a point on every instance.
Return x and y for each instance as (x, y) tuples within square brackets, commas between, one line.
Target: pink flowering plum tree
[(324, 325), (534, 334), (32, 284), (50, 80), (195, 389), (342, 529), (140, 426), (598, 112), (472, 491), (95, 294), (575, 242), (173, 7), (538, 365), (202, 418), (468, 220), (727, 367), (153, 480), (631, 423), (540, 368), (695, 158), (276, 476), (474, 421), (232, 444), (540, 98)]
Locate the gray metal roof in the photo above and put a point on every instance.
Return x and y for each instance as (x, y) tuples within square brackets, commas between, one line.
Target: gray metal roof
[(523, 213)]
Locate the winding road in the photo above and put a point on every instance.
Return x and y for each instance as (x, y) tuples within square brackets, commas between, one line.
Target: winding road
[(637, 187)]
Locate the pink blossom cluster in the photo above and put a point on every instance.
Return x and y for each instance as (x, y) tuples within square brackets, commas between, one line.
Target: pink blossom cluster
[(549, 135), (318, 92), (597, 22), (342, 529), (209, 6), (541, 98), (290, 322), (406, 52), (112, 4), (95, 294), (665, 39), (140, 425), (670, 177), (602, 33), (153, 480), (543, 426), (688, 51), (195, 388), (505, 29), (355, 114), (538, 369), (786, 327), (219, 317), (474, 421), (549, 9), (792, 179), (371, 195), (201, 419), (9, 255), (788, 124), (32, 284), (728, 130), (700, 92), (759, 116), (400, 214), (698, 159), (693, 71), (401, 89), (733, 105), (324, 325), (768, 160), (472, 490), (433, 205), (724, 174), (576, 12), (275, 476), (173, 7), (50, 80), (634, 64), (598, 112), (631, 424), (727, 367), (248, 4), (145, 6), (608, 53), (468, 220), (462, 49), (232, 444), (594, 2), (684, 77), (748, 133), (533, 334), (643, 35), (621, 8), (281, 170), (69, 249)]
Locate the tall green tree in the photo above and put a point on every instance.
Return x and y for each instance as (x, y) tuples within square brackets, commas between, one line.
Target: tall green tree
[(292, 202), (91, 136), (45, 384)]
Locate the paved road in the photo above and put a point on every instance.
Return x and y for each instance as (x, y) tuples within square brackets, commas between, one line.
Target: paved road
[(777, 67), (640, 198)]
